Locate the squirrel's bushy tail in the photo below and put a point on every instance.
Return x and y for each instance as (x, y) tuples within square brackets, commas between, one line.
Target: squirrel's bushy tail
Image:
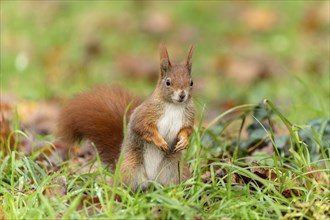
[(97, 115)]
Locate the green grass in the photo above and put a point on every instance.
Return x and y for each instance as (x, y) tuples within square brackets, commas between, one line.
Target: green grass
[(293, 193)]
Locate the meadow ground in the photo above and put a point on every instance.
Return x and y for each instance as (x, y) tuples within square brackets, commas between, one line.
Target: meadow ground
[(260, 148)]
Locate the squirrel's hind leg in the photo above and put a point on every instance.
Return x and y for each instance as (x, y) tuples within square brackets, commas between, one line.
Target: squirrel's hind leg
[(133, 174), (171, 173)]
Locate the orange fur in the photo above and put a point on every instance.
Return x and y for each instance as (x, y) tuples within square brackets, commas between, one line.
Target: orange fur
[(98, 116)]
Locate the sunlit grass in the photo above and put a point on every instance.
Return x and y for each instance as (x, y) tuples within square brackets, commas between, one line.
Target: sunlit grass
[(299, 184)]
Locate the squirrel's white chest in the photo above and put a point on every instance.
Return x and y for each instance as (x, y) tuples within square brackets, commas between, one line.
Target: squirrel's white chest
[(168, 126), (171, 122)]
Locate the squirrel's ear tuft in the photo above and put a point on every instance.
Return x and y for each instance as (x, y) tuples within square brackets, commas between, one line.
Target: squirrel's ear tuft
[(165, 63), (189, 58)]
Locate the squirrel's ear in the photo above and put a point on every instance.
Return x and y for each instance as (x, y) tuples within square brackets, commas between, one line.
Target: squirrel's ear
[(189, 58), (165, 63)]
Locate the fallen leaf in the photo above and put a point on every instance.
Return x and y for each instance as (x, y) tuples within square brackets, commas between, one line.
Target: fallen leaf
[(40, 118), (157, 22), (138, 66), (316, 174), (7, 140), (2, 215), (187, 34), (259, 19), (262, 172), (52, 63), (92, 49), (91, 203), (316, 17), (246, 70), (58, 187)]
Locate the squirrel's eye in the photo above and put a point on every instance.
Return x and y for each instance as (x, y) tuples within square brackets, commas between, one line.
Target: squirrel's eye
[(191, 83), (168, 82)]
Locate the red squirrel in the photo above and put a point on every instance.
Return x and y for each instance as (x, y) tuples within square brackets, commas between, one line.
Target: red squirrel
[(158, 129)]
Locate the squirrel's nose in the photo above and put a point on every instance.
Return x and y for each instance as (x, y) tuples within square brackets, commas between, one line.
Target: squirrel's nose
[(182, 95)]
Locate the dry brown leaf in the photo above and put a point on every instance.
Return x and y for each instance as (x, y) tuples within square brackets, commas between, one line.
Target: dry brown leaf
[(40, 118), (6, 106), (319, 176), (247, 71), (92, 22), (316, 17), (52, 63), (268, 149), (269, 174), (7, 140), (221, 172), (156, 22), (92, 203), (255, 168), (187, 34), (92, 49), (48, 10), (137, 66), (25, 109), (259, 19), (58, 187), (263, 172), (2, 215), (324, 11)]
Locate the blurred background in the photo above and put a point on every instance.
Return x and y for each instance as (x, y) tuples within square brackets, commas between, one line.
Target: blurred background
[(246, 51)]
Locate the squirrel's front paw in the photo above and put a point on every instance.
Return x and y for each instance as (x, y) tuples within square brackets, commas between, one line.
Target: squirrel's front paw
[(161, 143), (181, 145)]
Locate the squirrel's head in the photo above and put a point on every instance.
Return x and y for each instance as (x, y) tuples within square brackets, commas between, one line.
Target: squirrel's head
[(175, 81)]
